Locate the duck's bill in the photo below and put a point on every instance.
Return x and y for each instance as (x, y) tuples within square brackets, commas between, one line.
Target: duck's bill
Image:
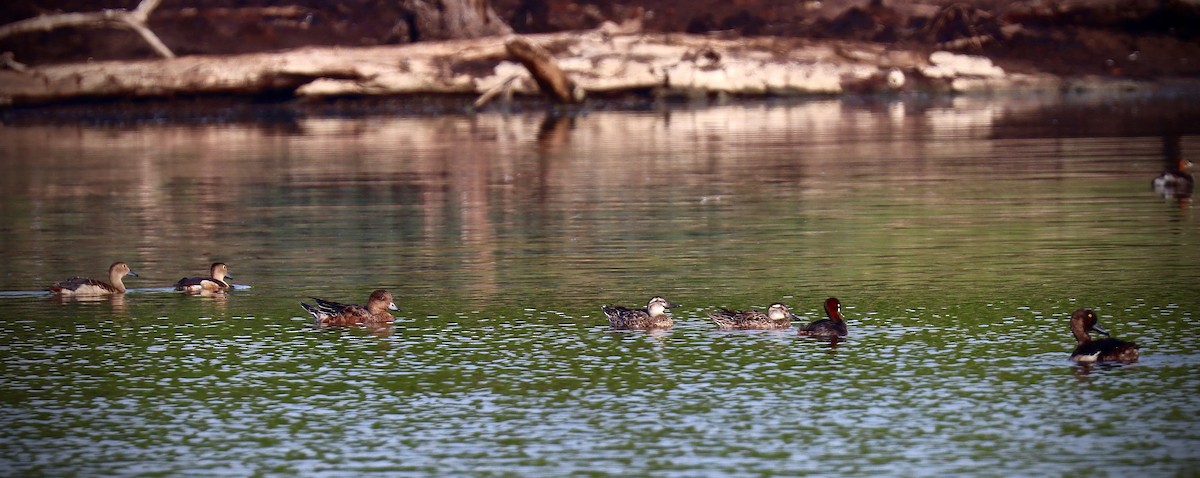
[(1100, 329)]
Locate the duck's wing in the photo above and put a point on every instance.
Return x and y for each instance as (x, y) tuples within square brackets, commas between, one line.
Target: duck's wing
[(738, 318), (1117, 350), (316, 311), (623, 312), (190, 282), (77, 282), (203, 282), (331, 307), (823, 327), (622, 316), (349, 315)]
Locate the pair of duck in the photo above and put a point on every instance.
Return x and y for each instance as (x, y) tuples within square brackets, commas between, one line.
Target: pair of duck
[(777, 317), (85, 287)]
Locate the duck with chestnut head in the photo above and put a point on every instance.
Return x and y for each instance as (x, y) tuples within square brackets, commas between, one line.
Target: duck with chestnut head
[(834, 326)]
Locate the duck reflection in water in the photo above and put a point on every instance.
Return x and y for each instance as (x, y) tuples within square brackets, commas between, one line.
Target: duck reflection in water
[(1091, 351), (115, 301)]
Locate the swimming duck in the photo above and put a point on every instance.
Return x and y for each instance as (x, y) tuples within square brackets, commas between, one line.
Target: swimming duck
[(213, 283), (654, 316), (1103, 350), (777, 317), (82, 286), (1175, 182), (834, 326), (333, 313)]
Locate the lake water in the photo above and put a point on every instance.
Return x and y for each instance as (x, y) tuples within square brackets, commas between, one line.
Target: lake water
[(959, 235)]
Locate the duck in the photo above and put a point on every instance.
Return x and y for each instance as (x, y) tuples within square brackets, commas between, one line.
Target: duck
[(654, 316), (1107, 349), (215, 282), (777, 317), (334, 313), (834, 326), (1175, 181), (82, 286)]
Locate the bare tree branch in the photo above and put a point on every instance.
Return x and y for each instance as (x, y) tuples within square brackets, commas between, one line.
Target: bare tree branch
[(111, 18), (549, 77)]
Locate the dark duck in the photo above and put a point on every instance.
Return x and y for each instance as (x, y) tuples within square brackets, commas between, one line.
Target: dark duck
[(834, 326), (1107, 349)]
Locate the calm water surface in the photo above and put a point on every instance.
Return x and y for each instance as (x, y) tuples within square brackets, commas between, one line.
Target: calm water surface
[(959, 236)]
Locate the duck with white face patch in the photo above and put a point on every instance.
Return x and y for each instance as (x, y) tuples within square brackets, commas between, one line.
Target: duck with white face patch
[(777, 317), (654, 316)]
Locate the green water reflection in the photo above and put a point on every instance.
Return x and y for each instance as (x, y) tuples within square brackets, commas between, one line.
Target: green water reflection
[(958, 236)]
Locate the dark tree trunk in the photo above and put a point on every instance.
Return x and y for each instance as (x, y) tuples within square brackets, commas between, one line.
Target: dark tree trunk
[(452, 19)]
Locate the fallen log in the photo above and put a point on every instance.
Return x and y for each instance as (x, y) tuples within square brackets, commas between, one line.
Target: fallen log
[(602, 61)]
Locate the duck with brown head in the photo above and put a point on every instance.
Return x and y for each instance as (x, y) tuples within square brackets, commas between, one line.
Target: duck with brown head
[(334, 313), (654, 316), (82, 286), (215, 282), (1107, 349), (834, 326), (777, 317)]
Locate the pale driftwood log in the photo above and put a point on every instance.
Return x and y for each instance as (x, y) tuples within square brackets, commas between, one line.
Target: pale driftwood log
[(598, 61), (549, 77), (503, 87), (134, 20)]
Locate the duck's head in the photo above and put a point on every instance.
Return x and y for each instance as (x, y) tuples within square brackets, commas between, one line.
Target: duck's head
[(219, 271), (120, 269), (383, 298), (833, 308), (659, 306), (1083, 321), (779, 312)]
